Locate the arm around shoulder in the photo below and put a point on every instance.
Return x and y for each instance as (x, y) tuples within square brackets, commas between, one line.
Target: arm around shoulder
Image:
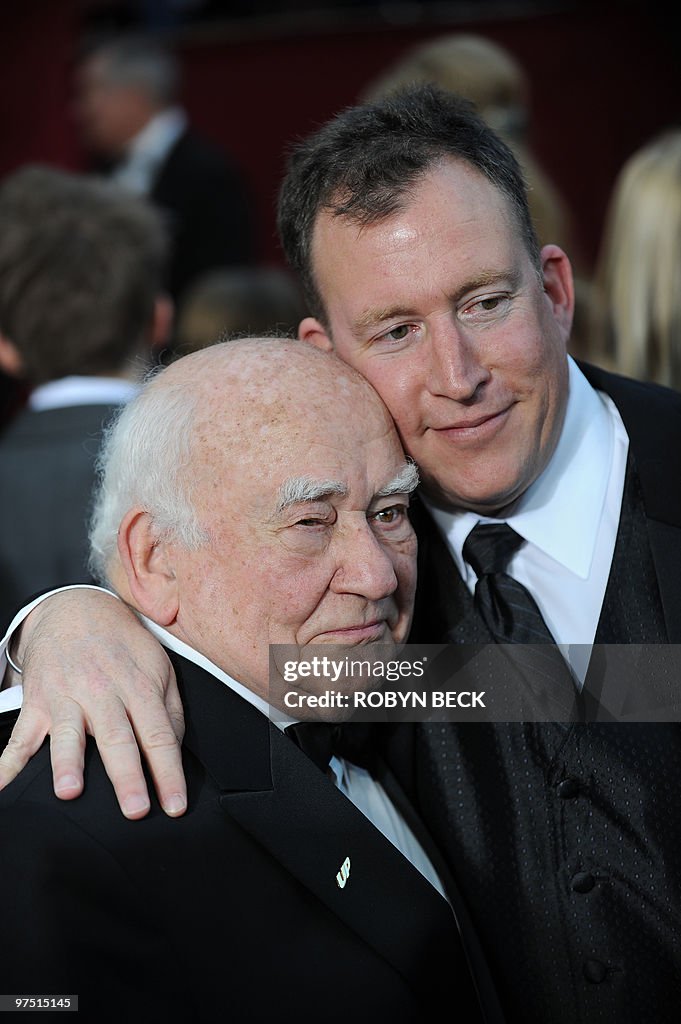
[(90, 667)]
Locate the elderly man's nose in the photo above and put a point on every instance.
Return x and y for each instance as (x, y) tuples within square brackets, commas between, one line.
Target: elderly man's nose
[(365, 566)]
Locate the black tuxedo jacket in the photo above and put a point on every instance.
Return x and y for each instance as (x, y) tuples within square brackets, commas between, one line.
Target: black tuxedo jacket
[(565, 841), (209, 210), (232, 912)]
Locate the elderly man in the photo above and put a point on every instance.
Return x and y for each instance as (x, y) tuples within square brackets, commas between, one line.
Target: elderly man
[(254, 493), (550, 511)]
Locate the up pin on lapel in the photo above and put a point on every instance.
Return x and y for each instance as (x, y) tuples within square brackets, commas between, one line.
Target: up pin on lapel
[(344, 873)]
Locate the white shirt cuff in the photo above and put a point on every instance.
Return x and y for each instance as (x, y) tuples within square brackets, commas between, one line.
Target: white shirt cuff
[(10, 699)]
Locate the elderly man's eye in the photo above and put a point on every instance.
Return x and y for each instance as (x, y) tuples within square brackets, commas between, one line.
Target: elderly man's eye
[(390, 516)]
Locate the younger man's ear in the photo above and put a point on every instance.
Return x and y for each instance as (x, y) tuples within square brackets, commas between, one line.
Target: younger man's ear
[(146, 564), (10, 358), (312, 330), (559, 286)]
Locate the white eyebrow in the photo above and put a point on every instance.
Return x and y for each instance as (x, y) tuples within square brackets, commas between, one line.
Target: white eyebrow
[(406, 481), (303, 488), (299, 489)]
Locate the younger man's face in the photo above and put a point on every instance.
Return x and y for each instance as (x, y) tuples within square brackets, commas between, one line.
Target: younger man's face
[(441, 309)]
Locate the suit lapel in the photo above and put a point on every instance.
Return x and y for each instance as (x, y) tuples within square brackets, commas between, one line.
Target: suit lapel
[(652, 417), (665, 545), (312, 830), (295, 812), (167, 173), (444, 611), (477, 962)]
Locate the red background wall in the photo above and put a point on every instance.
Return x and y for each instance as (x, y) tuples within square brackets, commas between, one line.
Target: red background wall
[(604, 79)]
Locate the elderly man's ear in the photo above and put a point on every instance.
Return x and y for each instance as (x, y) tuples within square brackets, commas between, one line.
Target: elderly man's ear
[(145, 576)]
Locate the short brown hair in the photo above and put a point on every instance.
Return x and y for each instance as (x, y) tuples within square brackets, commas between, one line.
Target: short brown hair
[(81, 264), (363, 164)]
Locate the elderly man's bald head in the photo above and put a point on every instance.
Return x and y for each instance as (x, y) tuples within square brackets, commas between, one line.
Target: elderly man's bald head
[(254, 365), (260, 387), (229, 397), (258, 489)]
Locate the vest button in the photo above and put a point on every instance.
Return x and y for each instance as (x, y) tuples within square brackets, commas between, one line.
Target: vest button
[(583, 882), (594, 971), (568, 789)]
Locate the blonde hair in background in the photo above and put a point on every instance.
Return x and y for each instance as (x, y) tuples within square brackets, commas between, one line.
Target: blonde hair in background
[(474, 67), (491, 77), (638, 273)]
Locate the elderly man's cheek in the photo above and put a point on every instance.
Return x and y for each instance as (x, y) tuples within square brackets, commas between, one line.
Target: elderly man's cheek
[(304, 543)]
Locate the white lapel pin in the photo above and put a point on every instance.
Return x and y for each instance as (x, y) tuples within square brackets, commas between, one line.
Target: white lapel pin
[(344, 873)]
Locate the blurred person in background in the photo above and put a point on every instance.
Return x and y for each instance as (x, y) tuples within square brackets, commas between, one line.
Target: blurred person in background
[(232, 302), (637, 315), (127, 111), (81, 308), (493, 80)]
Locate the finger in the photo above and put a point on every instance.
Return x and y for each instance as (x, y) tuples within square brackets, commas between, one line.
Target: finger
[(27, 736), (155, 695), (120, 756), (174, 709), (67, 748), (157, 734)]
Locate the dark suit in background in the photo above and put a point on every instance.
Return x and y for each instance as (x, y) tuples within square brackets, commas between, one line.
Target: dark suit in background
[(12, 398), (232, 912), (565, 842), (127, 90), (209, 211), (47, 467)]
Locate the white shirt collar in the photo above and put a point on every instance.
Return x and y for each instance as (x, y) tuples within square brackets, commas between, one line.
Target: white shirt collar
[(561, 511), (158, 136), (147, 150), (77, 390), (173, 643)]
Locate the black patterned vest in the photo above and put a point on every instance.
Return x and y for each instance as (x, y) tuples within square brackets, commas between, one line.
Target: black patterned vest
[(566, 843)]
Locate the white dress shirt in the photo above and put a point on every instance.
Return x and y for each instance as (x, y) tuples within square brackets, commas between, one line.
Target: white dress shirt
[(147, 150), (569, 517)]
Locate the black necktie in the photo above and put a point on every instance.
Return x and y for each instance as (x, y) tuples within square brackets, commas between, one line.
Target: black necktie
[(322, 740), (511, 614)]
